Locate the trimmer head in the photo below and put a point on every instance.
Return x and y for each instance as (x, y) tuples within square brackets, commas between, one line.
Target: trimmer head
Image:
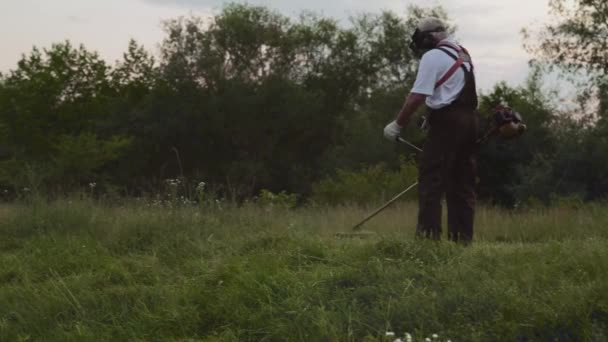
[(358, 234)]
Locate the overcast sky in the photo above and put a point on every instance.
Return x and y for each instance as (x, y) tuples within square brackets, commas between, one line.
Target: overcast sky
[(489, 29)]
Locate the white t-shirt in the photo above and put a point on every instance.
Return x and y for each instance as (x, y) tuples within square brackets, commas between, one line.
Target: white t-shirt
[(433, 65)]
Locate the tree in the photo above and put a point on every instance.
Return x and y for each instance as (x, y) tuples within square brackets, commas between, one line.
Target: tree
[(577, 41), (50, 108), (391, 70), (504, 165), (257, 99), (247, 100)]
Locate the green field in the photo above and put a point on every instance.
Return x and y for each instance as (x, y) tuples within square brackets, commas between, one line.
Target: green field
[(80, 270)]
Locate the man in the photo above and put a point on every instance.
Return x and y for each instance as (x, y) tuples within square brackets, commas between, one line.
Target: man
[(446, 82)]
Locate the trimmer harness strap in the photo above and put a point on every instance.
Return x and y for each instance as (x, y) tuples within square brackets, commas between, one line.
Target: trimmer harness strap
[(463, 56)]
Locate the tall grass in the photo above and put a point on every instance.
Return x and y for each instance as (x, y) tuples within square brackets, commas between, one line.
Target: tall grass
[(76, 269)]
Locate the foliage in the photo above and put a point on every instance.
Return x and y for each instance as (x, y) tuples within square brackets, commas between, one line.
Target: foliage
[(575, 41), (281, 200), (247, 100), (251, 99), (50, 109), (369, 185), (508, 164)]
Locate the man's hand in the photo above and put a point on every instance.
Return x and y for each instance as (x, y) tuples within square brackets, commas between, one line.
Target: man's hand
[(410, 106), (413, 101), (392, 131)]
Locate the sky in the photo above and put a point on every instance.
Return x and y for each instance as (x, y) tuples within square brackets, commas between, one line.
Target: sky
[(489, 29)]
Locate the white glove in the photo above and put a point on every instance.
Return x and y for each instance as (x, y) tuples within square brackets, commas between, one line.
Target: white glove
[(392, 131)]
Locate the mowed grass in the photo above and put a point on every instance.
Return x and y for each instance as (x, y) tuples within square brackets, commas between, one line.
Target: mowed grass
[(78, 270)]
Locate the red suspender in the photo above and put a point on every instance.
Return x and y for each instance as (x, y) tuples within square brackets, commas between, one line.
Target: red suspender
[(451, 45), (450, 72), (459, 62)]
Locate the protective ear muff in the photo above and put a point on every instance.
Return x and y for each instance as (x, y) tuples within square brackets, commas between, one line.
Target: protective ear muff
[(423, 40), (415, 41)]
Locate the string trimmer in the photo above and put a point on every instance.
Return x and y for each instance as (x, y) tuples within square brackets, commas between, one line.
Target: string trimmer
[(505, 122)]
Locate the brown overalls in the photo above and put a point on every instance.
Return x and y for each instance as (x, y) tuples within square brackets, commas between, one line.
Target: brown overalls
[(448, 166)]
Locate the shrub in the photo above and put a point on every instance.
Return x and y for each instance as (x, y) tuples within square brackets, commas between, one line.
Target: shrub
[(283, 200), (370, 185)]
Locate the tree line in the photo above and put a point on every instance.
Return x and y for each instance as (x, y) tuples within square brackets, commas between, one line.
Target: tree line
[(251, 99)]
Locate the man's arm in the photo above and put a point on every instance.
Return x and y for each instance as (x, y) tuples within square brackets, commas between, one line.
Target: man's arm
[(423, 86), (410, 106), (393, 129)]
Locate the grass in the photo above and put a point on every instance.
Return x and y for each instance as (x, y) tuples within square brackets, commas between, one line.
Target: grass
[(79, 270)]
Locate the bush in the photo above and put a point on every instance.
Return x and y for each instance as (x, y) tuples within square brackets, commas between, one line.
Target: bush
[(370, 185), (283, 200)]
